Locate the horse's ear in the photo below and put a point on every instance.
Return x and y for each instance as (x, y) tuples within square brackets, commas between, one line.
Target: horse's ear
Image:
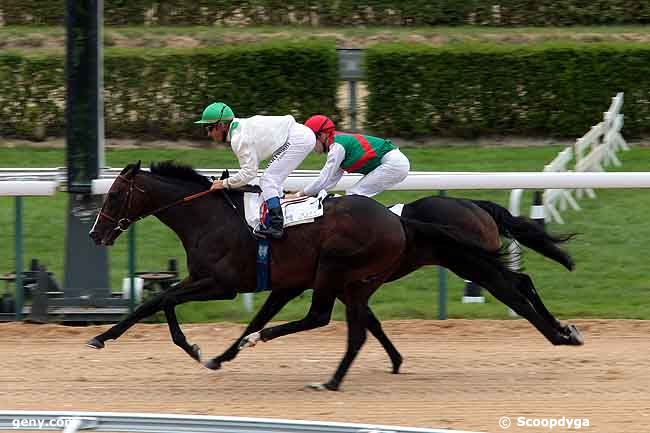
[(137, 166), (225, 174)]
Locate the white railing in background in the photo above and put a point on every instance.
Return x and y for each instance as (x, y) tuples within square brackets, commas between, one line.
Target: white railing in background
[(27, 187), (592, 153), (558, 197), (435, 181), (71, 422), (597, 149)]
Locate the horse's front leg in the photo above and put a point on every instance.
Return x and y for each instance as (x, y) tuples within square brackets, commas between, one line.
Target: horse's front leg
[(276, 300), (178, 337), (177, 333), (182, 292)]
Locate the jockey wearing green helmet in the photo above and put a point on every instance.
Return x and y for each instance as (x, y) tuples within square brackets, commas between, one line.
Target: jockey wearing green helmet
[(280, 140), (215, 114)]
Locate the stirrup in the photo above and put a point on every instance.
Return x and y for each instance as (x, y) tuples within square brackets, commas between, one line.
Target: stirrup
[(264, 232)]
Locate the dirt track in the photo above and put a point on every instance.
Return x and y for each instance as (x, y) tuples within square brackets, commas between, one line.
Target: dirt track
[(456, 374)]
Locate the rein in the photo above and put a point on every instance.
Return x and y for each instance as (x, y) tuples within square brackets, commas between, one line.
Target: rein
[(123, 223)]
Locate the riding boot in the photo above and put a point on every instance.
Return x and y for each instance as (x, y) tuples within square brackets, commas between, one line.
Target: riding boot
[(273, 225)]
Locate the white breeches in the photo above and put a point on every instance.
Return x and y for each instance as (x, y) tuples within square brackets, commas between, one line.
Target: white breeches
[(393, 169), (286, 159)]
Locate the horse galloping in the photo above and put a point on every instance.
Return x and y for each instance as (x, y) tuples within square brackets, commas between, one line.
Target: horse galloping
[(347, 254)]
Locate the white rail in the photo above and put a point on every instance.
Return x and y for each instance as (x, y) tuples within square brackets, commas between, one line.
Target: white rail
[(416, 180), (160, 423), (27, 187), (448, 181)]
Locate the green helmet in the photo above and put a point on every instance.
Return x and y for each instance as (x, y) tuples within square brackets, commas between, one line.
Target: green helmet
[(216, 112)]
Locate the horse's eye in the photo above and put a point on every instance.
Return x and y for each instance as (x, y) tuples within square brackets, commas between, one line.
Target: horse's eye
[(113, 195)]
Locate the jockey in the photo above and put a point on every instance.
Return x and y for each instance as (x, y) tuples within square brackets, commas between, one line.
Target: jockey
[(378, 159), (280, 139)]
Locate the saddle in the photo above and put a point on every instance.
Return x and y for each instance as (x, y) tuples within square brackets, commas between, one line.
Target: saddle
[(297, 211), (302, 210)]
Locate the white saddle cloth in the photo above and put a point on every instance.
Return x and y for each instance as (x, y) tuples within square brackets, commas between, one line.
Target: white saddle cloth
[(302, 210), (397, 209)]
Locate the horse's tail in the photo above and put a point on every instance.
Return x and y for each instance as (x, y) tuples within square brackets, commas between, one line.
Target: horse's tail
[(452, 247), (528, 233)]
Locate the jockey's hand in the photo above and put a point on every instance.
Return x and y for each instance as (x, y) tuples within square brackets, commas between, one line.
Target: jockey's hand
[(294, 195), (217, 184)]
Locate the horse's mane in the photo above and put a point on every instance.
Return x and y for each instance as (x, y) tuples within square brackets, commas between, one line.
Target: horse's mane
[(179, 171)]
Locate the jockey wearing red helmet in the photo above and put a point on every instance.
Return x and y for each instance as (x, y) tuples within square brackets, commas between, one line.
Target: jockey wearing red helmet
[(323, 128), (379, 160)]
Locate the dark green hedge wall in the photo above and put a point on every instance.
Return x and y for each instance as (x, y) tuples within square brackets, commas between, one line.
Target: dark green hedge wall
[(472, 90), (413, 90), (160, 94)]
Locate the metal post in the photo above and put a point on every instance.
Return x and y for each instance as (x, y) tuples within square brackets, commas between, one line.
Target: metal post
[(351, 70), (19, 258), (86, 265), (442, 285), (537, 211), (132, 268), (353, 105)]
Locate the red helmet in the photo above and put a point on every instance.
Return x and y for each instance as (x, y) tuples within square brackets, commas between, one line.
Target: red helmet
[(321, 124)]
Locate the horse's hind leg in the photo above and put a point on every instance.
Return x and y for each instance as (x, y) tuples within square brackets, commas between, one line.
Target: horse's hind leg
[(506, 292), (329, 280), (356, 316), (527, 288), (374, 326), (503, 285), (276, 300), (319, 315)]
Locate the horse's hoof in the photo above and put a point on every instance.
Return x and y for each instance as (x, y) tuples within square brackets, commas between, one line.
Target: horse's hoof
[(397, 363), (575, 336), (213, 364), (250, 340), (196, 353), (321, 387), (95, 344), (329, 386)]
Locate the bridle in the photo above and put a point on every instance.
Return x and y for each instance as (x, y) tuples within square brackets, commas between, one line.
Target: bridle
[(123, 224)]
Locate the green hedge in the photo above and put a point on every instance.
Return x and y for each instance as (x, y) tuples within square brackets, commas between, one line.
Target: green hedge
[(468, 91), (414, 90), (160, 94), (343, 12)]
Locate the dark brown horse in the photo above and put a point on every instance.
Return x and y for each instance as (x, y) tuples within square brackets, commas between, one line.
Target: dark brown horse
[(347, 254)]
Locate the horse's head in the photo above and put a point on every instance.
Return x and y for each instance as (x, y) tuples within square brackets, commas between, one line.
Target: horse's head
[(123, 204)]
